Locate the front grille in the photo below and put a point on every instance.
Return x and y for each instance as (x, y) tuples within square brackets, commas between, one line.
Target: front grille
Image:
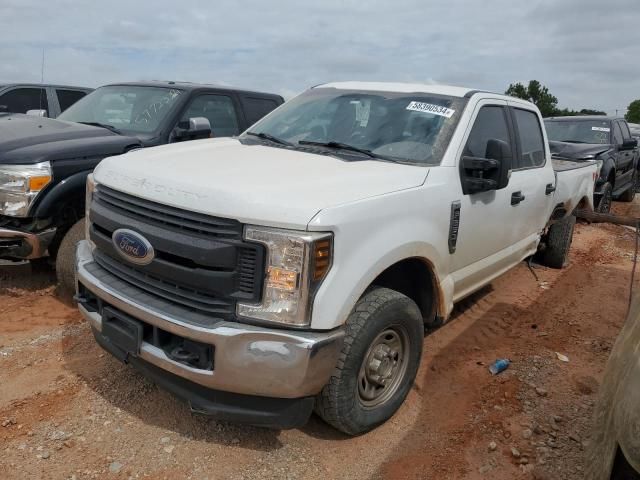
[(187, 297), (201, 262), (169, 217)]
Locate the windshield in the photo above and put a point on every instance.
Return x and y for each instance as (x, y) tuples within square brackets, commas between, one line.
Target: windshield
[(129, 108), (404, 127), (579, 131)]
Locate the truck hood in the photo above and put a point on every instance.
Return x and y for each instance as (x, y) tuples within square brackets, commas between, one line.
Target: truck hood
[(255, 184), (26, 139), (578, 151)]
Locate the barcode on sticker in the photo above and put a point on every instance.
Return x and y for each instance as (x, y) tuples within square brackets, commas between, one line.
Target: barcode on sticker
[(431, 108), (600, 129)]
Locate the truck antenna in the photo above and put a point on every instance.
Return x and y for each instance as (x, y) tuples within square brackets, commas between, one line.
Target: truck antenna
[(41, 78)]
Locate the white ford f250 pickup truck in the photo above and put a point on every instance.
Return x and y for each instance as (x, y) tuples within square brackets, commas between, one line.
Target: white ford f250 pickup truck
[(296, 266)]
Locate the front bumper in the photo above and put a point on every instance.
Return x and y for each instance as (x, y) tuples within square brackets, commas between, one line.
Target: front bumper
[(249, 360), (20, 245)]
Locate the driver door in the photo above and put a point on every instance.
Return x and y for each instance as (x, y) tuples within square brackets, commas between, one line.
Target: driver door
[(485, 241)]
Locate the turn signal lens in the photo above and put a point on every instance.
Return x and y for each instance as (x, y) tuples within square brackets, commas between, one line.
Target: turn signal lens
[(38, 183), (322, 258)]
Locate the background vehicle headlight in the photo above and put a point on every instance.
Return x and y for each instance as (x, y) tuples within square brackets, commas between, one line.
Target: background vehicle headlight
[(91, 188), (297, 262), (19, 186)]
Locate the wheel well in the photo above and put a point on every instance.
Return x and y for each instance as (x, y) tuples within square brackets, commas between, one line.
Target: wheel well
[(64, 217), (582, 204), (414, 278)]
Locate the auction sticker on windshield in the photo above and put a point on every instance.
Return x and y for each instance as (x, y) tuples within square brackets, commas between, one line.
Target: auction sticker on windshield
[(430, 108), (600, 129)]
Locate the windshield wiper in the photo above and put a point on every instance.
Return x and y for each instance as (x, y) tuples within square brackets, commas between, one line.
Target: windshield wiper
[(102, 125), (271, 138), (572, 141), (342, 146)]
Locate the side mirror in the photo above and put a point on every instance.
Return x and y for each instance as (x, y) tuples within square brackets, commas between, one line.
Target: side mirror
[(629, 144), (37, 113), (194, 128), (4, 109), (491, 172)]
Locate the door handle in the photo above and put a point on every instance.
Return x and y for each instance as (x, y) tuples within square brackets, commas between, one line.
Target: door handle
[(550, 188), (516, 198)]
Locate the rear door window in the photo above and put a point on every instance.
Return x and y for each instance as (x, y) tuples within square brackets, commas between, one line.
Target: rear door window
[(66, 98), (220, 112), (255, 108), (20, 100), (531, 140)]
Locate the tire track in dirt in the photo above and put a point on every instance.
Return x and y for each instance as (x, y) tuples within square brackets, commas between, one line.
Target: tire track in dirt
[(504, 322)]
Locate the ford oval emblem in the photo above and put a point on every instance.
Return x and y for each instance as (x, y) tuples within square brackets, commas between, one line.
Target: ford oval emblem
[(132, 246)]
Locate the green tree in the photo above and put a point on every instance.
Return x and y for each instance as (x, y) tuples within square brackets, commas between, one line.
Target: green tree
[(588, 111), (537, 93), (633, 112)]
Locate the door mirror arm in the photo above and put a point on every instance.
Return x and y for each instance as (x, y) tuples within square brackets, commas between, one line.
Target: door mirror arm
[(492, 172)]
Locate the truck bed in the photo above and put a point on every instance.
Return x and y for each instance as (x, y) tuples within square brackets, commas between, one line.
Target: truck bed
[(562, 165), (574, 182)]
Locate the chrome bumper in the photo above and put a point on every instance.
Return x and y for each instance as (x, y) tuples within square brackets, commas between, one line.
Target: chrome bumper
[(24, 245), (248, 359)]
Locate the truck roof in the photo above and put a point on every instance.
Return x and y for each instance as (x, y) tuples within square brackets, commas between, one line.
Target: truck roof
[(188, 86), (450, 90), (40, 85), (599, 118)]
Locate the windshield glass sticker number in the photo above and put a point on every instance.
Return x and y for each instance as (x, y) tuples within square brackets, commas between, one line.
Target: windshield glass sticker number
[(430, 108), (600, 129)]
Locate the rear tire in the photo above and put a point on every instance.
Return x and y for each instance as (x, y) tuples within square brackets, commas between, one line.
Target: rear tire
[(630, 192), (558, 243), (378, 363), (604, 205), (65, 261)]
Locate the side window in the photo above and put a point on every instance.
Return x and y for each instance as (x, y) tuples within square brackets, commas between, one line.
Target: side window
[(626, 133), (491, 123), (256, 108), (219, 110), (20, 100), (617, 134), (531, 140), (66, 98)]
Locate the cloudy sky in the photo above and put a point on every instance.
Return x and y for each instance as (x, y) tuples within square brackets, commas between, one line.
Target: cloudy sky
[(586, 51)]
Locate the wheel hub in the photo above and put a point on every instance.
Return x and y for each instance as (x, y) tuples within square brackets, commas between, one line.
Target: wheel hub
[(383, 367)]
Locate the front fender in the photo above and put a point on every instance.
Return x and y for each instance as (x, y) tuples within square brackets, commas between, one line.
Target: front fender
[(370, 236), (60, 192), (607, 171)]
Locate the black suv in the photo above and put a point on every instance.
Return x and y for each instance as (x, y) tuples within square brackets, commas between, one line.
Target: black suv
[(604, 139), (44, 163), (49, 100)]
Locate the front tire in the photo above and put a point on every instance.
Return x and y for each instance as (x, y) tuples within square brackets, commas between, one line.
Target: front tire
[(378, 363), (65, 261)]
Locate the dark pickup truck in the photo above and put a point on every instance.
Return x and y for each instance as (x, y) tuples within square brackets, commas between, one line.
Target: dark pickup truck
[(603, 139), (48, 100), (44, 163)]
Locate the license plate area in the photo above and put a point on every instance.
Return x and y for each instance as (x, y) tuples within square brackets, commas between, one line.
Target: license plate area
[(122, 331)]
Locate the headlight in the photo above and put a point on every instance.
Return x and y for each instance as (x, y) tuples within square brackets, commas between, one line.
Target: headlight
[(91, 188), (297, 262), (19, 186)]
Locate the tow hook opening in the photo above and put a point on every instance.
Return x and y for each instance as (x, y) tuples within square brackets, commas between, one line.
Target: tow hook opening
[(188, 352)]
